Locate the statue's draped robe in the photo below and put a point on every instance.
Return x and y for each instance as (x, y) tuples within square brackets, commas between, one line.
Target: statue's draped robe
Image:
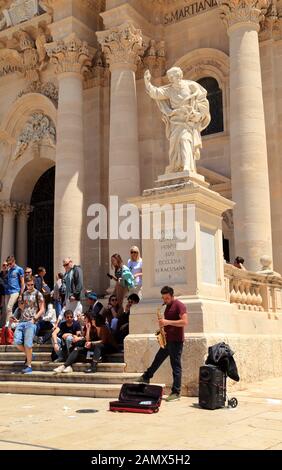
[(185, 111)]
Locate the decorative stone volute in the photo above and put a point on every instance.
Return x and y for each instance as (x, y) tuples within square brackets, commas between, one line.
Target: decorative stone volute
[(70, 55), (234, 12), (122, 46)]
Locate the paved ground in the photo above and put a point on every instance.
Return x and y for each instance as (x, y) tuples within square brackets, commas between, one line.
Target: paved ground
[(43, 422)]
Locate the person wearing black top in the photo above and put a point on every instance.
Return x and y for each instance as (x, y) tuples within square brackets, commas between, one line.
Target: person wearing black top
[(68, 333)]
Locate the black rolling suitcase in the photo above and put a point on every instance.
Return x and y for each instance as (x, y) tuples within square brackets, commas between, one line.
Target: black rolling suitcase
[(212, 387), (138, 398)]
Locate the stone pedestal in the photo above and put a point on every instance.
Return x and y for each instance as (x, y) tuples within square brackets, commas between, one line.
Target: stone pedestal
[(194, 267), (195, 271)]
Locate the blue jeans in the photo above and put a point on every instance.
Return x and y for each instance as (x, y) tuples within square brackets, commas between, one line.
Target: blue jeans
[(173, 349), (64, 345), (58, 307), (24, 334)]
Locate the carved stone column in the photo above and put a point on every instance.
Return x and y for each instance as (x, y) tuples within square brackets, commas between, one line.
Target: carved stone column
[(8, 210), (21, 239), (250, 182), (72, 58), (122, 47)]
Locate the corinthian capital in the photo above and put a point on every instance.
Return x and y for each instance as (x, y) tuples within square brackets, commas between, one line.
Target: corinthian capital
[(8, 208), (122, 45), (24, 210), (70, 54), (234, 12)]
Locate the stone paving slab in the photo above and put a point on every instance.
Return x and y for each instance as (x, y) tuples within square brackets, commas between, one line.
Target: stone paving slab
[(36, 422)]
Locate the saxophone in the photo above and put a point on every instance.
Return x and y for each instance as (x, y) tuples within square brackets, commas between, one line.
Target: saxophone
[(160, 334)]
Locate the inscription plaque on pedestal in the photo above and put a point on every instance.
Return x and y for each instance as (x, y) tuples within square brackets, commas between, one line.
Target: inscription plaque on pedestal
[(169, 263)]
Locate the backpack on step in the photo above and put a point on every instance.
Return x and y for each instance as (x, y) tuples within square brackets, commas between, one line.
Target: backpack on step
[(7, 336)]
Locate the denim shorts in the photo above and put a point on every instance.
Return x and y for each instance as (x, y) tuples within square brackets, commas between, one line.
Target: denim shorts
[(24, 334)]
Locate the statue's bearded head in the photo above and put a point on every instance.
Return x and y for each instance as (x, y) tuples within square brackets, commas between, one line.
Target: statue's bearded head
[(174, 75)]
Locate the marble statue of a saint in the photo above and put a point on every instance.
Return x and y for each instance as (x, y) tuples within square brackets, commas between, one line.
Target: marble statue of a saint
[(185, 111)]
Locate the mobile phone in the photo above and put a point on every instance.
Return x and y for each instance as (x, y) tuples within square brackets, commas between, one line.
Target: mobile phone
[(110, 276)]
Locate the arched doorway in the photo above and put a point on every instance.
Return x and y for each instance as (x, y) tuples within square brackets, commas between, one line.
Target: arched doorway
[(41, 225)]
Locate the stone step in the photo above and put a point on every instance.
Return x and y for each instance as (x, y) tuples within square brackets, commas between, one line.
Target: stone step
[(63, 389), (46, 356), (50, 366), (74, 377), (18, 356), (36, 348)]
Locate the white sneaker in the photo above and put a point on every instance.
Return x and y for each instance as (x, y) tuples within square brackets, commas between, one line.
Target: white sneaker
[(67, 370), (59, 369)]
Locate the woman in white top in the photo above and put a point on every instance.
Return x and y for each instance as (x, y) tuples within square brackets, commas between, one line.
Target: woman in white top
[(135, 265)]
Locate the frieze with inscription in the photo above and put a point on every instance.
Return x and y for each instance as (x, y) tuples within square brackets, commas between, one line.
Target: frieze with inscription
[(187, 11)]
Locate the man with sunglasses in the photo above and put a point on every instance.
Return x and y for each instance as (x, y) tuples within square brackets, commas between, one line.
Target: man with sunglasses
[(32, 308)]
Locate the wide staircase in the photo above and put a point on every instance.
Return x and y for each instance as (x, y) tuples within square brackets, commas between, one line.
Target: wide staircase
[(105, 383)]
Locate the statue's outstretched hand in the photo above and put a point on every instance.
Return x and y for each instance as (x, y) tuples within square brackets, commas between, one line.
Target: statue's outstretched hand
[(147, 77)]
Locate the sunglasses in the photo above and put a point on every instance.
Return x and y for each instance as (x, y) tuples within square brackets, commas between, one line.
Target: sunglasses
[(4, 265), (65, 265), (134, 252)]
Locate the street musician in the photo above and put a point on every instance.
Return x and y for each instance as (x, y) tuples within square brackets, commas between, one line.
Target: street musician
[(171, 345)]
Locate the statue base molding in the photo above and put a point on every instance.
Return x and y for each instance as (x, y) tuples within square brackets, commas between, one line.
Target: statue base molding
[(181, 177)]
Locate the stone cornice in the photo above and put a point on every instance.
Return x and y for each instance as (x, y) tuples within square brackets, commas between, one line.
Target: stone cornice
[(236, 12), (70, 55)]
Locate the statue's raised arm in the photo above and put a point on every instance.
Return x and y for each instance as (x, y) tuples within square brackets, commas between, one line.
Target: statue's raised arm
[(185, 111), (156, 93)]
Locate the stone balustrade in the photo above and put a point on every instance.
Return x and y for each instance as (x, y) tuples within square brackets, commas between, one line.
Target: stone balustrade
[(252, 291)]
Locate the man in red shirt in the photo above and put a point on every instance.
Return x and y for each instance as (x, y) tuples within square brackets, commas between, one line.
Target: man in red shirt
[(174, 321)]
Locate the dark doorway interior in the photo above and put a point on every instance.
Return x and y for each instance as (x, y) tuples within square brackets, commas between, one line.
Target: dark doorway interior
[(41, 225), (226, 250)]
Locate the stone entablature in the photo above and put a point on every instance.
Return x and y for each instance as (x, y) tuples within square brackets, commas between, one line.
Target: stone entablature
[(28, 55)]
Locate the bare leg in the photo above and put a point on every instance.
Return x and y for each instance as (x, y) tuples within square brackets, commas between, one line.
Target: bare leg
[(22, 349), (28, 353)]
